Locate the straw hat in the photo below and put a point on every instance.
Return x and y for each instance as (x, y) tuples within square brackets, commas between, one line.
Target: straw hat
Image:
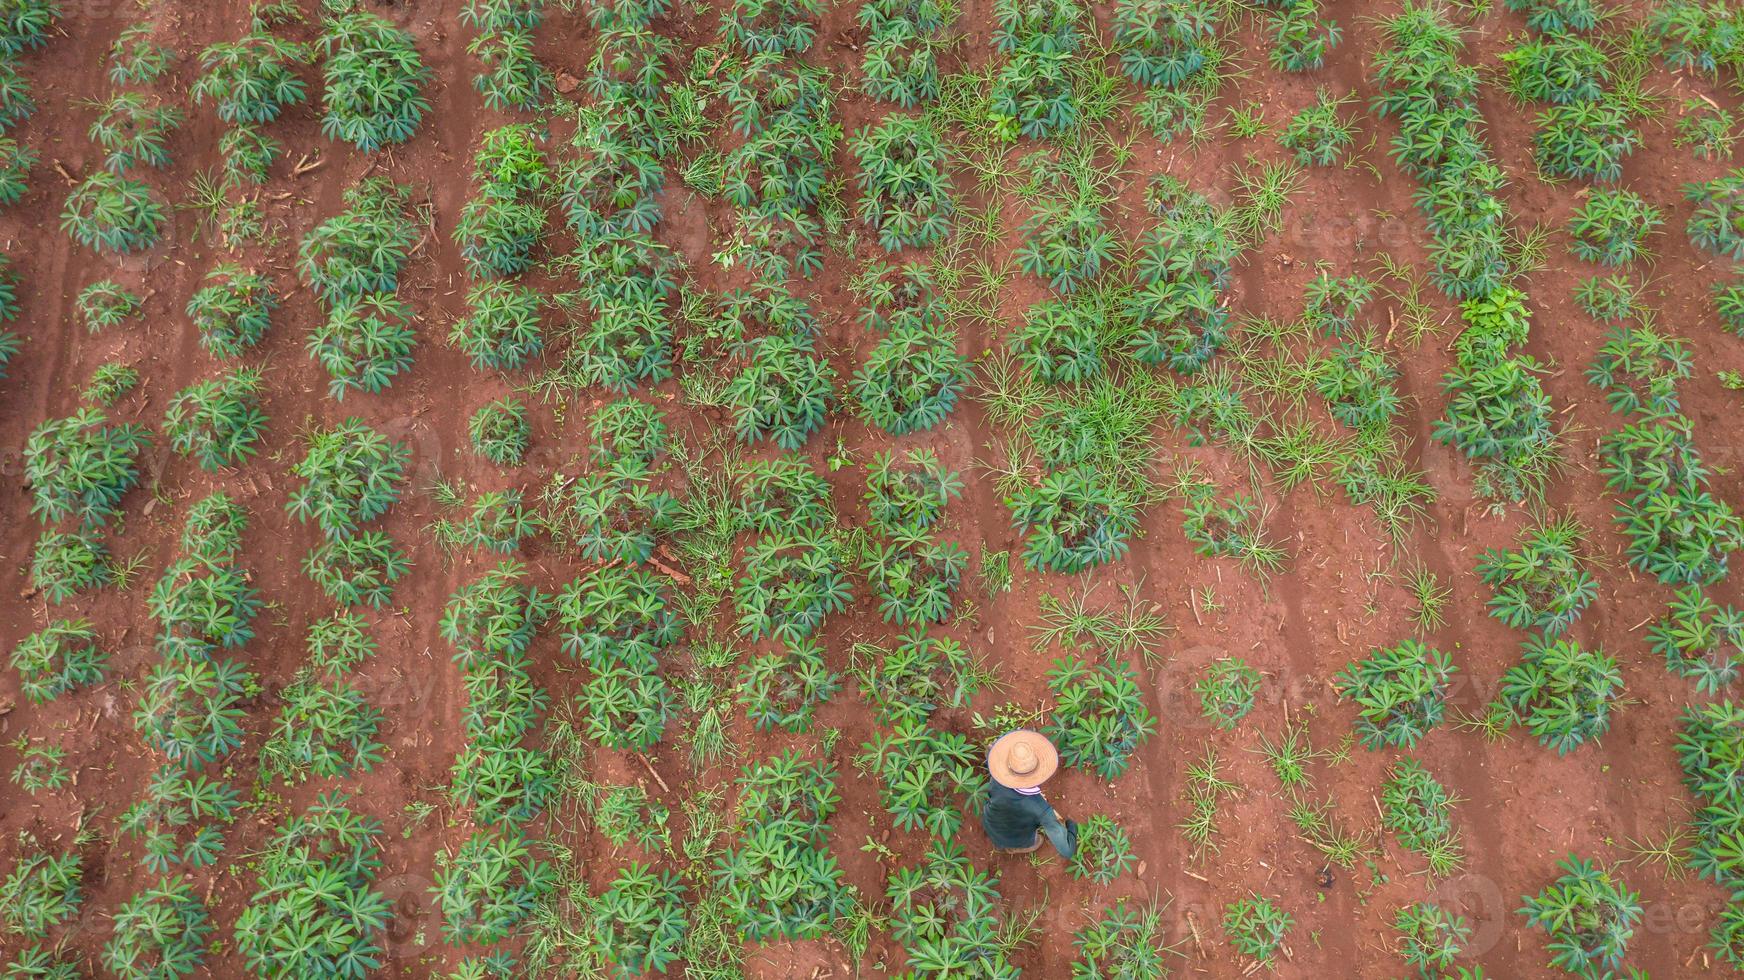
[(1022, 759)]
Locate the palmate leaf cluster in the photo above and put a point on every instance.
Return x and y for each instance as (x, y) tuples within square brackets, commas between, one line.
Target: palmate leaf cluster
[(944, 912), (1700, 640), (926, 778), (610, 513), (495, 522), (350, 474), (1256, 927), (919, 672), (134, 130), (1226, 691), (373, 82), (160, 933), (111, 213), (217, 422), (1543, 583), (913, 376), (907, 494), (1585, 141), (1678, 531), (776, 177), (61, 657), (491, 622), (1104, 850), (489, 885), (776, 26), (1359, 382), (1430, 937), (1711, 752), (1588, 916), (189, 710), (1099, 717), (1497, 410), (504, 44), (626, 284), (500, 226), (783, 495), (315, 912), (1717, 222), (1181, 317), (179, 820), (16, 161), (904, 182), (364, 342), (41, 892), (1417, 809), (1562, 692), (792, 581), (627, 709), (1612, 227), (1319, 135), (640, 920), (1067, 241), (253, 79), (1166, 43), (783, 689), (1432, 92), (213, 528), (901, 62), (1639, 370), (627, 815), (502, 330), (618, 616), (1558, 17), (1400, 693), (1301, 38), (1074, 519), (912, 572), (362, 249), (136, 59), (64, 565), (232, 310), (25, 25), (358, 569), (781, 880), (609, 182), (500, 431), (106, 303), (1036, 92), (1125, 942), (201, 603), (81, 466)]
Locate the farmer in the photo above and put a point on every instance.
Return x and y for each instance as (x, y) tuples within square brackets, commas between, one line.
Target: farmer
[(1016, 815)]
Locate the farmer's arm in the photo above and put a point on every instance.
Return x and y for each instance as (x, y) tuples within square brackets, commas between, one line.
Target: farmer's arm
[(1063, 833)]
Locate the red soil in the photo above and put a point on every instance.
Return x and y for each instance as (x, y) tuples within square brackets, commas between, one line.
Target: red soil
[(1524, 807)]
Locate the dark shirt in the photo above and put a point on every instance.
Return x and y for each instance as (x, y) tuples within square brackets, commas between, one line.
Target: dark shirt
[(1012, 819)]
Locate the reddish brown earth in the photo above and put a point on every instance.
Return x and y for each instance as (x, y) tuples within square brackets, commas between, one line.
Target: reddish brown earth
[(1524, 807)]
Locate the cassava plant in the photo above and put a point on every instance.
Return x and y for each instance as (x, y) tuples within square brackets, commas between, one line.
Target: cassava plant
[(217, 423), (61, 657), (350, 474), (1700, 640), (106, 304), (1544, 583), (1588, 915), (110, 213), (232, 310), (80, 467), (1099, 717), (1400, 693), (374, 79)]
